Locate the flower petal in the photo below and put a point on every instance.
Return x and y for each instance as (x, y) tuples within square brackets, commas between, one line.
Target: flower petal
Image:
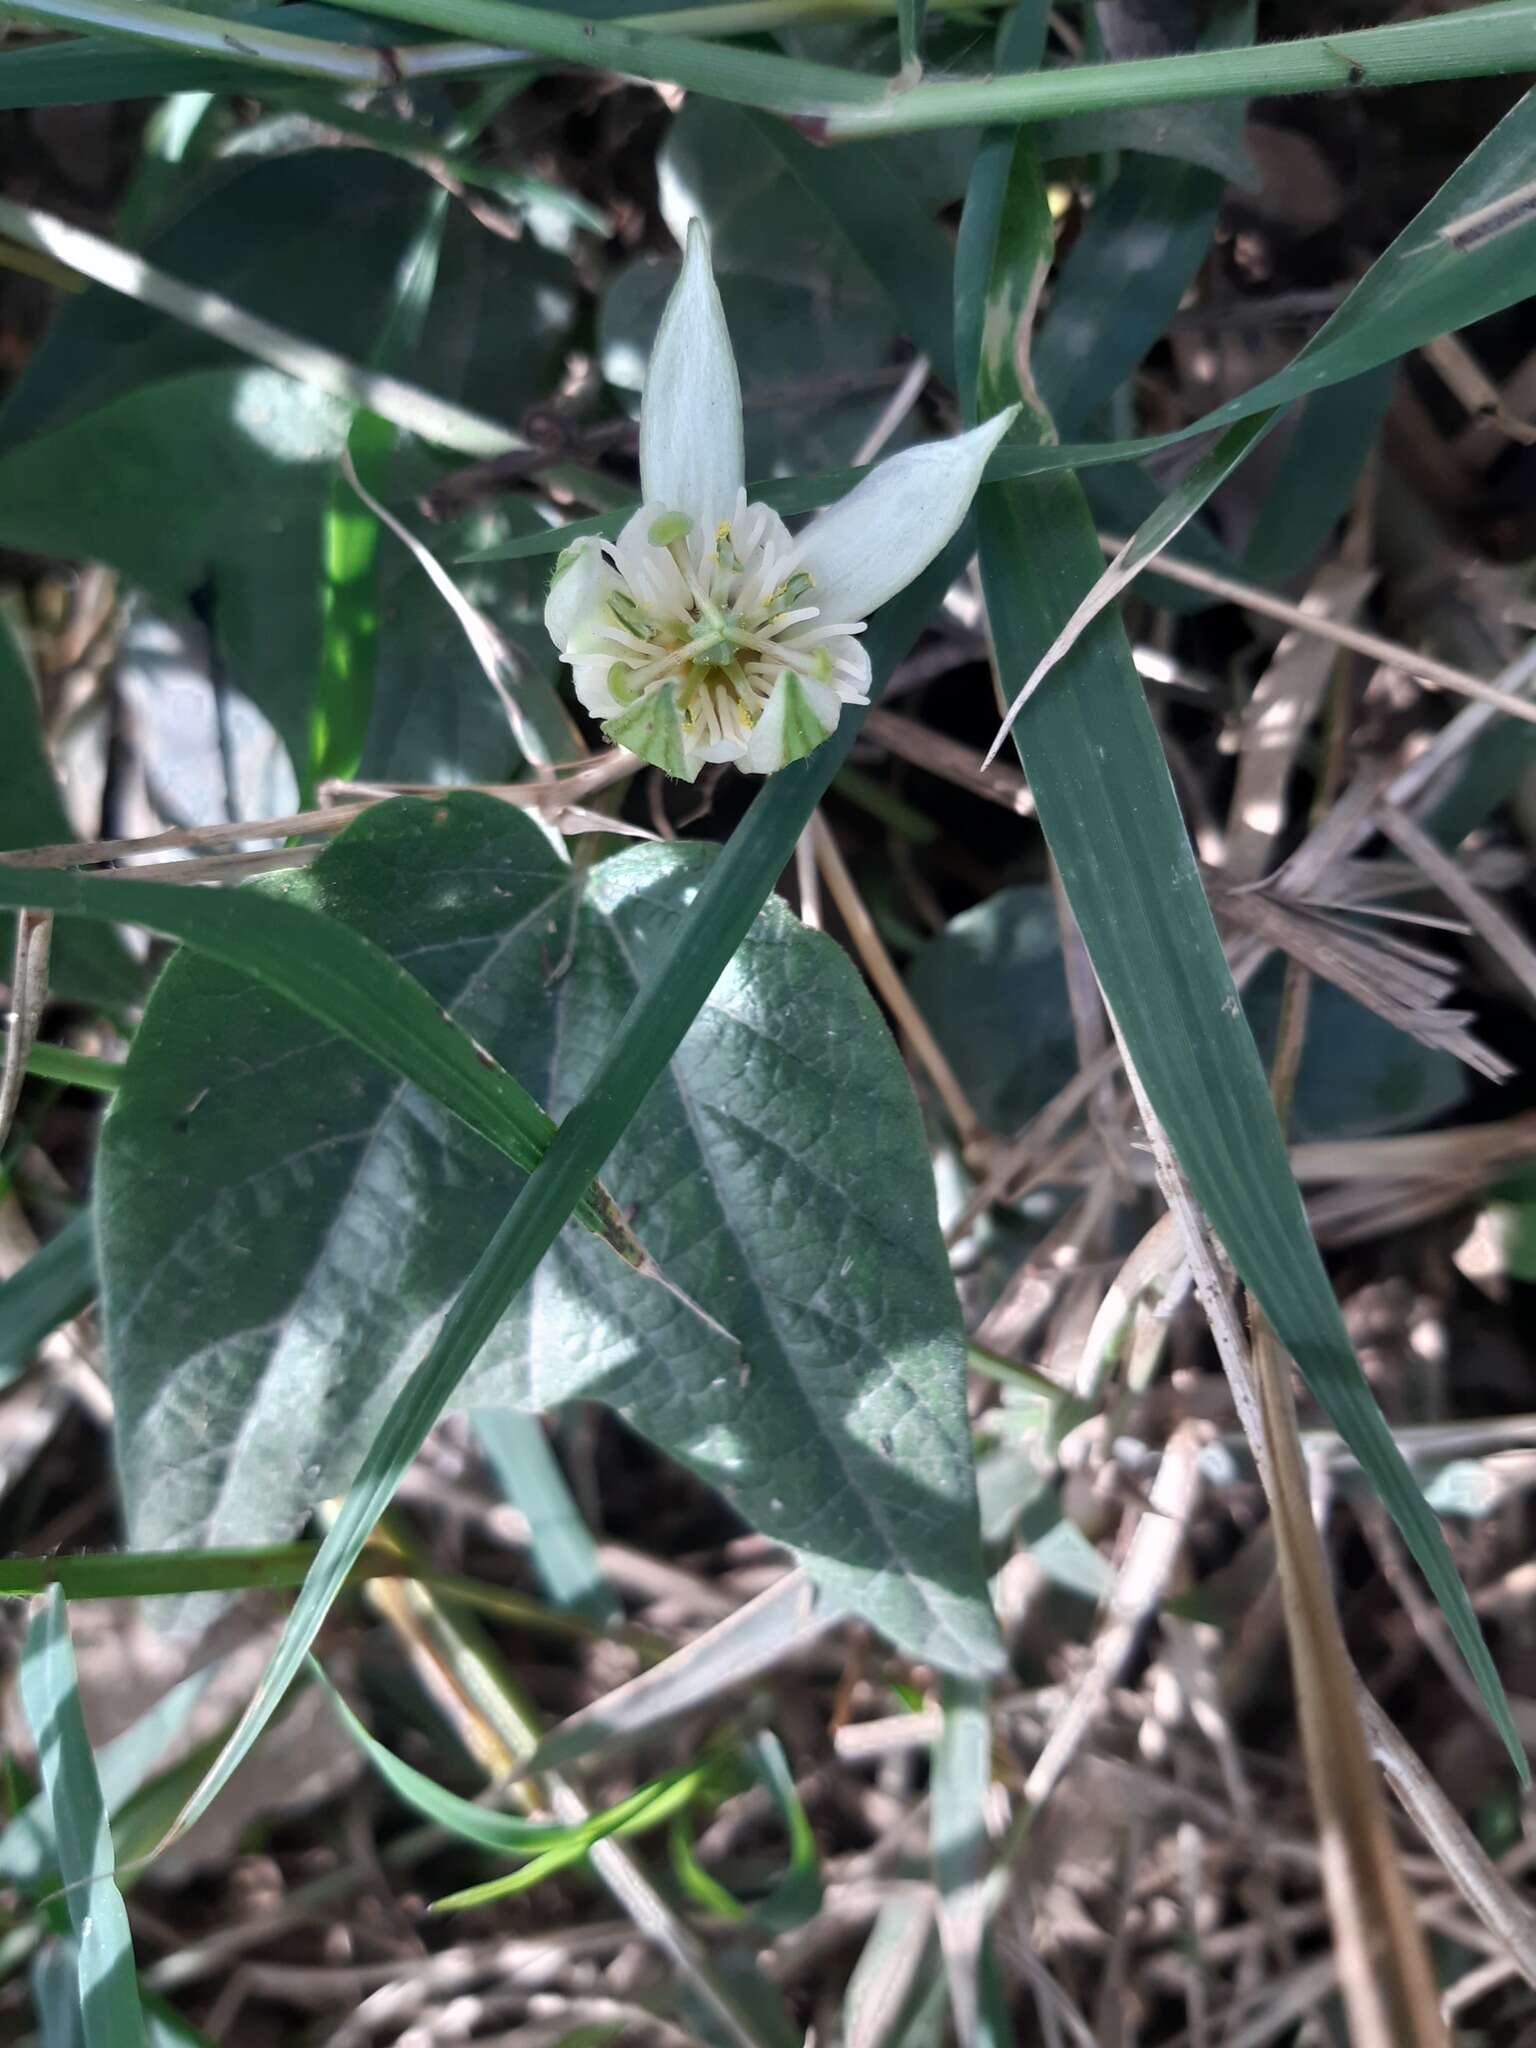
[(581, 581), (691, 457), (653, 729), (889, 528), (798, 716)]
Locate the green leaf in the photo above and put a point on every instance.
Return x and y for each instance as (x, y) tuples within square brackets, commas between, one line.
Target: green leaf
[(680, 981), (838, 1425), (1325, 454), (57, 1282), (993, 987), (505, 1834), (108, 1988), (1109, 812), (85, 965), (884, 219), (560, 1544)]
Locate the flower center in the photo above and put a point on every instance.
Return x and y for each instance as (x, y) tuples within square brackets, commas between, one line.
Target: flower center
[(714, 623)]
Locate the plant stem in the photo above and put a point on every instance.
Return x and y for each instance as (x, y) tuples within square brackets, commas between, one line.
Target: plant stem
[(75, 1069), (1472, 44)]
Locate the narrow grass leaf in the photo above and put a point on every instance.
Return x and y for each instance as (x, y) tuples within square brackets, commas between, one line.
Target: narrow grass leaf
[(110, 2012), (560, 1543), (57, 1282), (1109, 812), (505, 1834), (962, 1772), (654, 1803)]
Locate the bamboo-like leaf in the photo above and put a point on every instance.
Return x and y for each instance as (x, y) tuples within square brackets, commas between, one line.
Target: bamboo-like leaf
[(110, 2012), (1110, 815), (57, 1282)]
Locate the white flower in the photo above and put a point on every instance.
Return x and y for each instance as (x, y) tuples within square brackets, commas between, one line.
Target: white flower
[(707, 631)]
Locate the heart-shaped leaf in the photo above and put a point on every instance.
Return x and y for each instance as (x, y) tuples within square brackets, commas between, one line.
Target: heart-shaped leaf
[(282, 1225)]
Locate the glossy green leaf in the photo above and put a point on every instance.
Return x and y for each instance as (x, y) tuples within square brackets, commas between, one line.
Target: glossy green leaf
[(1113, 823), (108, 1990), (294, 1238)]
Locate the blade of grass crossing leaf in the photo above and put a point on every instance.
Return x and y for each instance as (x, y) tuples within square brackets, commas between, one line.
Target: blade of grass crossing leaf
[(1109, 812), (336, 975), (505, 1834), (1143, 548), (737, 886), (962, 1772), (110, 2012), (1115, 828)]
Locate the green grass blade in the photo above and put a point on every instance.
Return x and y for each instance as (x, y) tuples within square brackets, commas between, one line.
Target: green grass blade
[(738, 885), (337, 975), (564, 1555), (74, 1069), (506, 1834), (648, 1808), (110, 2011), (57, 1282), (962, 1772), (1113, 823)]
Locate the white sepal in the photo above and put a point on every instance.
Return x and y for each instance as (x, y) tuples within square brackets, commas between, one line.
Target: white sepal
[(883, 535), (691, 456)]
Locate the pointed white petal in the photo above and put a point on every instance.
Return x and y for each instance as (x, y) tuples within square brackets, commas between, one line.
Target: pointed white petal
[(581, 581), (798, 717), (691, 456), (653, 729), (889, 528)]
